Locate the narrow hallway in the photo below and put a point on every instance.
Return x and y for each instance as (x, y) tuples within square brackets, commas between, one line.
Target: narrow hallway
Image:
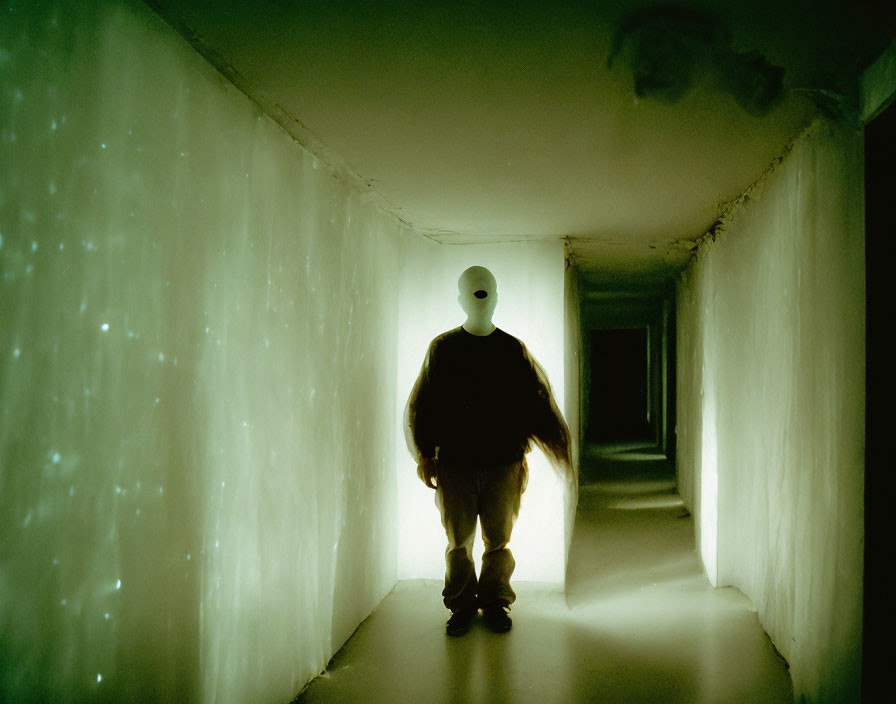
[(230, 232), (642, 623)]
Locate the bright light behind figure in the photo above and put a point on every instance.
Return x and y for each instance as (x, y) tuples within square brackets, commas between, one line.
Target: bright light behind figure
[(530, 306)]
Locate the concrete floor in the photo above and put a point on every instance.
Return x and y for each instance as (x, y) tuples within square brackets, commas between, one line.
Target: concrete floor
[(639, 621)]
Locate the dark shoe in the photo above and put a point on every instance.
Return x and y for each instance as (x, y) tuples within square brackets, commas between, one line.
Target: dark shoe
[(459, 623), (496, 618)]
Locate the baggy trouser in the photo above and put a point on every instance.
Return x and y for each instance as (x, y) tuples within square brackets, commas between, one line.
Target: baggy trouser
[(491, 493)]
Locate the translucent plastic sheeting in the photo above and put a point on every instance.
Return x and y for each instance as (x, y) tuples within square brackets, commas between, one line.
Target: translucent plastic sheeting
[(771, 407), (530, 278), (198, 344)]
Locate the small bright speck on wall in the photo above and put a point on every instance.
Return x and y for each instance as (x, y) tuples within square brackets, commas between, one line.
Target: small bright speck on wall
[(169, 302)]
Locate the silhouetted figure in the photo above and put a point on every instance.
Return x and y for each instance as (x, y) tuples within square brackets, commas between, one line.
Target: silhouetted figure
[(478, 404)]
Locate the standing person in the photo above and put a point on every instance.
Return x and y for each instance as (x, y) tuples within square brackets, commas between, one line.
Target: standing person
[(477, 406)]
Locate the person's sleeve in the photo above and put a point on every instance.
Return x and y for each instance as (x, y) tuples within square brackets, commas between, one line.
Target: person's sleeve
[(546, 425), (419, 414)]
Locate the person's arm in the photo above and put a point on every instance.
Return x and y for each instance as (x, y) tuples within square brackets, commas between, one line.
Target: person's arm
[(546, 425), (420, 422)]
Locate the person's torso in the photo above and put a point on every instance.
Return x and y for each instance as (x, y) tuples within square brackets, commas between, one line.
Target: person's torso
[(481, 387)]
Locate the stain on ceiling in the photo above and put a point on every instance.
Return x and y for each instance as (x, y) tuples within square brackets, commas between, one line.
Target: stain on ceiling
[(625, 127)]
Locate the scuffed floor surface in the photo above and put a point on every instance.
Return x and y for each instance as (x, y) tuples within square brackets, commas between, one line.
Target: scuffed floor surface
[(642, 623)]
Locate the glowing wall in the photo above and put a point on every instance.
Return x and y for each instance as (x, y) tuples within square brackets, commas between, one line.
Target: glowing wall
[(771, 407), (572, 392), (197, 340), (530, 279)]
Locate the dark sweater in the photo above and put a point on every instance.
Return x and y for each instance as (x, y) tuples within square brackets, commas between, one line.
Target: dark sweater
[(482, 399)]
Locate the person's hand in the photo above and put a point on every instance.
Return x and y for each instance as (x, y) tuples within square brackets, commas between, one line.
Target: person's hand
[(426, 470)]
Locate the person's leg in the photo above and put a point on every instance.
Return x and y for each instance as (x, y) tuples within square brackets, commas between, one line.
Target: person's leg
[(499, 504), (456, 499)]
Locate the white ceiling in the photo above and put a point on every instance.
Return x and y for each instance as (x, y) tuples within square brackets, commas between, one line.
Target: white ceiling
[(474, 123)]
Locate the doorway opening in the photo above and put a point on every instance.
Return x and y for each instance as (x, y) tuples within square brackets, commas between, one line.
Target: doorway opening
[(620, 371)]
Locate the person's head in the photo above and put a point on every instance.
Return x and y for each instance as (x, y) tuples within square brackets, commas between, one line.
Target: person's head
[(478, 293)]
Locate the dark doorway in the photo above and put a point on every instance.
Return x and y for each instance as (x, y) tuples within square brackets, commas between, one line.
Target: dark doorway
[(619, 385), (880, 484)]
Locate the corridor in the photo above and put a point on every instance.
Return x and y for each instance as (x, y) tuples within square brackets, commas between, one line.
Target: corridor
[(229, 233), (642, 623)]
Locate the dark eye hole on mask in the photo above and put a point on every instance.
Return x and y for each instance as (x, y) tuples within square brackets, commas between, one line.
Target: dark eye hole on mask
[(480, 293)]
